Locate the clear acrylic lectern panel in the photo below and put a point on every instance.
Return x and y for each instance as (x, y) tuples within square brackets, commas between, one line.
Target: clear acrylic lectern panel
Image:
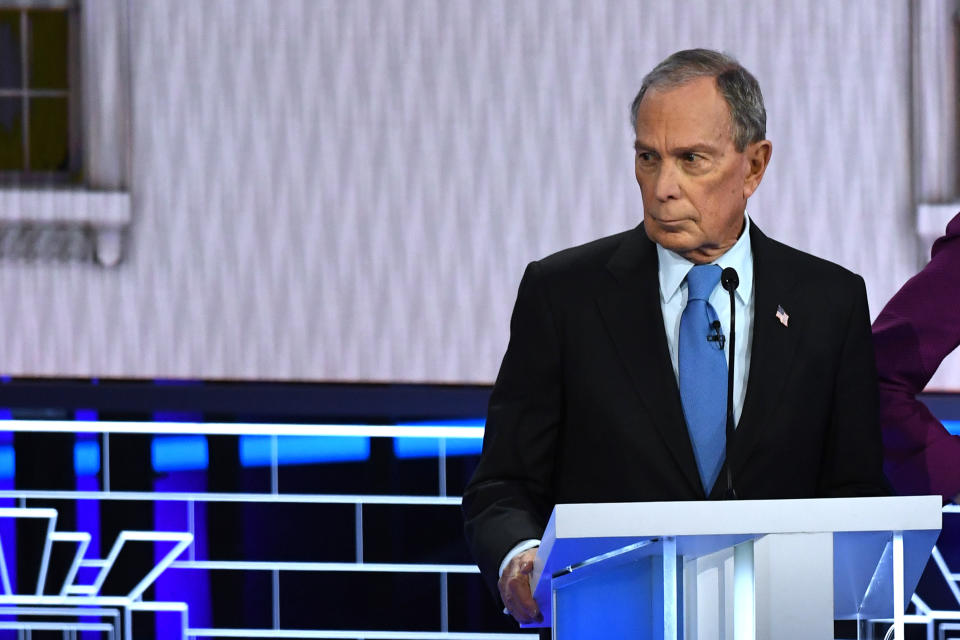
[(618, 569), (633, 592)]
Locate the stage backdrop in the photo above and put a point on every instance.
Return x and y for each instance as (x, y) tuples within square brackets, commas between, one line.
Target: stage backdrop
[(350, 190)]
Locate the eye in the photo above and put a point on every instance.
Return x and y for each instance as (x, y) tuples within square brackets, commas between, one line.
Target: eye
[(690, 157), (646, 158)]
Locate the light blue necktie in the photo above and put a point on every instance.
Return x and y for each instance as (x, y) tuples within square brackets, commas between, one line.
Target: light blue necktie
[(703, 374)]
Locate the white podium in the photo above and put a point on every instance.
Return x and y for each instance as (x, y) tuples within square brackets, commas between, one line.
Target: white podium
[(651, 570)]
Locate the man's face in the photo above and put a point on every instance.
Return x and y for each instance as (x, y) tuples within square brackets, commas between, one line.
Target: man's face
[(694, 182)]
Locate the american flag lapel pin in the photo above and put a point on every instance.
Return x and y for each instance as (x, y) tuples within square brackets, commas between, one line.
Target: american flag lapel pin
[(782, 316)]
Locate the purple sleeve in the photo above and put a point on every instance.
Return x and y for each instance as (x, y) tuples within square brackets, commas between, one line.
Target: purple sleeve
[(917, 329)]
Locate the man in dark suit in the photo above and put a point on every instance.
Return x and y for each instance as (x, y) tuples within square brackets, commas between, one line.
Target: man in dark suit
[(613, 386)]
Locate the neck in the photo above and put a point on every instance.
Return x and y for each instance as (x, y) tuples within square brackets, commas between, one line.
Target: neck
[(710, 253)]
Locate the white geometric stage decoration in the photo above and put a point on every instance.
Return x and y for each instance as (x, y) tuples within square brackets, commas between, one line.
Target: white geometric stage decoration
[(113, 615), (74, 600), (941, 620)]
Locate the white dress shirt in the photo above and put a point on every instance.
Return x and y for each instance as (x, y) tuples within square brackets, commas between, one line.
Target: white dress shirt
[(672, 271)]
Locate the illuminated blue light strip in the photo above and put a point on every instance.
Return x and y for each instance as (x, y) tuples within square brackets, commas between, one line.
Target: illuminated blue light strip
[(405, 447), (86, 575), (86, 466), (179, 453), (171, 516), (7, 462), (255, 451), (430, 447), (341, 442), (85, 414), (8, 535), (953, 426), (86, 458)]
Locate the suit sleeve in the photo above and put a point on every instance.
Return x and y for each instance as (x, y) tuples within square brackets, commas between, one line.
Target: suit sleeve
[(509, 497), (917, 329), (853, 452)]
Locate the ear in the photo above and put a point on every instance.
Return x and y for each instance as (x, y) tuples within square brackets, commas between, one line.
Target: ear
[(757, 157)]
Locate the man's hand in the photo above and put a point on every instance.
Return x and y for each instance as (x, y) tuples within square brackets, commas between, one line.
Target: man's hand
[(514, 588)]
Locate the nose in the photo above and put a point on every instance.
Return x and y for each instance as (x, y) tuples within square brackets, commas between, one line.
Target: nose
[(666, 187)]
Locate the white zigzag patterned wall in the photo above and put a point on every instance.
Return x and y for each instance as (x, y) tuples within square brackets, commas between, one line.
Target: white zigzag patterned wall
[(349, 190)]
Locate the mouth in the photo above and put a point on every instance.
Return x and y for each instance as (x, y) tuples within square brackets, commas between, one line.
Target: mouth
[(669, 222)]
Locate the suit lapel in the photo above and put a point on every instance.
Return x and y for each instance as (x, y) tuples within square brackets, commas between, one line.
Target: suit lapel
[(773, 349), (632, 315)]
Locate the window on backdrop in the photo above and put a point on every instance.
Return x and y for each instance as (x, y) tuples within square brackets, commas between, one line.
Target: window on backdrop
[(39, 135)]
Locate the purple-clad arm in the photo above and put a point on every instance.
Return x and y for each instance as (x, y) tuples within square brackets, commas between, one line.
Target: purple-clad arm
[(917, 329)]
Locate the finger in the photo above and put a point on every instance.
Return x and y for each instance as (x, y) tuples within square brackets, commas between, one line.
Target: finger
[(518, 614), (514, 604), (523, 593), (522, 616), (510, 601), (522, 599)]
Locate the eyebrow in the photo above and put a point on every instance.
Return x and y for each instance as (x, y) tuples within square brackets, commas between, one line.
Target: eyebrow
[(677, 151), (694, 148)]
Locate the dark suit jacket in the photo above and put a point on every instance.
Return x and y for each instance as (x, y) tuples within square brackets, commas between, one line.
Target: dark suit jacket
[(586, 406)]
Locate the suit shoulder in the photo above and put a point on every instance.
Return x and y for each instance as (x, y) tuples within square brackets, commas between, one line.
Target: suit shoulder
[(584, 258)]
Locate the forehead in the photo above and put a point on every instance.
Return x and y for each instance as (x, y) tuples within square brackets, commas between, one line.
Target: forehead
[(690, 113)]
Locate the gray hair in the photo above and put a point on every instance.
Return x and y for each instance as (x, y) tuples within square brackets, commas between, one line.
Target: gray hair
[(737, 86)]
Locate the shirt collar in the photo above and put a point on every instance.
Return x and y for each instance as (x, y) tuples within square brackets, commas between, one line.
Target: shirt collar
[(673, 267)]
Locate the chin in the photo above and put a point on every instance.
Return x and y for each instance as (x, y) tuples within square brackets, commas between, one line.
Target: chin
[(676, 241)]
